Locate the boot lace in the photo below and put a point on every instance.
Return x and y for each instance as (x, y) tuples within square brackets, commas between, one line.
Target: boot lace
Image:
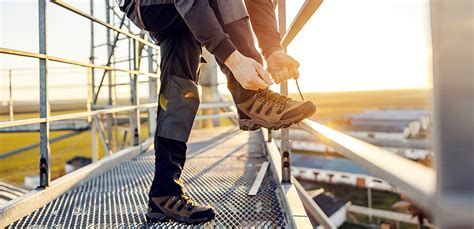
[(188, 202), (272, 98)]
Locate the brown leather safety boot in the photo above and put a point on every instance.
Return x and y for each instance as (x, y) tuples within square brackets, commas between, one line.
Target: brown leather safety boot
[(180, 208), (273, 111)]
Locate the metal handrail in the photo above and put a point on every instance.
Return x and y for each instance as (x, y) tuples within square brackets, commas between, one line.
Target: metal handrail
[(312, 208), (307, 10), (53, 118), (109, 26), (415, 180), (114, 109), (73, 62)]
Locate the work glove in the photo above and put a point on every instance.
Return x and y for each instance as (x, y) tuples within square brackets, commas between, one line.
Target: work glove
[(282, 67), (248, 72)]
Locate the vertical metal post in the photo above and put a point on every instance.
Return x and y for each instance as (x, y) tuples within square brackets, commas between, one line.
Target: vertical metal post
[(90, 119), (129, 50), (10, 95), (115, 129), (45, 173), (208, 81), (285, 133), (214, 86), (369, 200), (135, 124), (91, 94), (152, 94), (212, 64), (111, 78), (453, 78), (92, 47), (130, 76)]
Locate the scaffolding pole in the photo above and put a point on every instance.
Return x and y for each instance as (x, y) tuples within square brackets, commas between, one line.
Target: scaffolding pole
[(152, 93), (45, 173), (111, 78), (91, 95), (134, 100), (10, 95), (208, 82), (285, 132)]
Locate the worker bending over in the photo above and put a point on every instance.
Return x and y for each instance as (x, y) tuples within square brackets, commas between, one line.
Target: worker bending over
[(223, 27)]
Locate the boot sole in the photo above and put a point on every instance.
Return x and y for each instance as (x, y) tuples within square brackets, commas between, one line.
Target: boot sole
[(255, 124), (160, 217)]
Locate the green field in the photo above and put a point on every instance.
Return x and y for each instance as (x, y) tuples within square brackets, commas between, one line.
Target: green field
[(13, 169), (330, 106)]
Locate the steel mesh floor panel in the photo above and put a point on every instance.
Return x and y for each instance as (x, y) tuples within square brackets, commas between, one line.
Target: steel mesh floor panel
[(216, 174)]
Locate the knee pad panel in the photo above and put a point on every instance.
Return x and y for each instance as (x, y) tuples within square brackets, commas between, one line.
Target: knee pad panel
[(179, 103)]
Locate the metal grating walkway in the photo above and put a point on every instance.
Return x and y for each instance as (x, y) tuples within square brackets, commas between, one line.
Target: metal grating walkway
[(219, 171)]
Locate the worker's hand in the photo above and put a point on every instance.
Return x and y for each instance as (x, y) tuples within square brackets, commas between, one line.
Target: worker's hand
[(282, 67), (248, 72)]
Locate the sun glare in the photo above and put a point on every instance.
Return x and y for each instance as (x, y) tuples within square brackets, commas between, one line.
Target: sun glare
[(364, 45)]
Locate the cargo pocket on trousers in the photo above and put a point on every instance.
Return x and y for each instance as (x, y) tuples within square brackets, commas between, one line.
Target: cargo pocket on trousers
[(179, 104)]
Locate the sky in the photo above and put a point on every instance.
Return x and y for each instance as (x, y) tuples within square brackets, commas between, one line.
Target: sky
[(364, 45), (347, 45)]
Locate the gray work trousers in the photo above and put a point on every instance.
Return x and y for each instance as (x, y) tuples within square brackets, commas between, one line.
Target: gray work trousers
[(179, 100)]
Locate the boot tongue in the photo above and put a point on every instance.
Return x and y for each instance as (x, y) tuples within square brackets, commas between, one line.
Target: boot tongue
[(187, 199)]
